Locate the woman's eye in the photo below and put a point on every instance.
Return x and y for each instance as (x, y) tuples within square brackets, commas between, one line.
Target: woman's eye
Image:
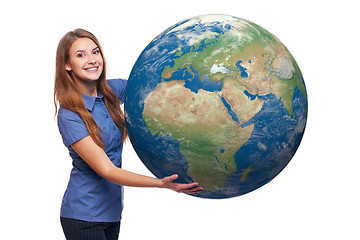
[(96, 52), (80, 55)]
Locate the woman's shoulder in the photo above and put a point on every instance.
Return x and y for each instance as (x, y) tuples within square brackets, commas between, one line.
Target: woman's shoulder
[(118, 85), (71, 126)]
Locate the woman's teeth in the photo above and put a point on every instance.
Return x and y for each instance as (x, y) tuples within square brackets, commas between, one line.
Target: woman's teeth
[(91, 69)]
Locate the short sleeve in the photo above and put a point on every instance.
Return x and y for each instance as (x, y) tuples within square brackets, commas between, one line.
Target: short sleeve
[(118, 86), (71, 126)]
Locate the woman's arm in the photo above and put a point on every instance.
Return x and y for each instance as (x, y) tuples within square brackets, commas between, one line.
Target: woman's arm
[(97, 159)]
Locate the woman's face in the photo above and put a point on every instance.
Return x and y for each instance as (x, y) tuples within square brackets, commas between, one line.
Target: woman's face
[(85, 62)]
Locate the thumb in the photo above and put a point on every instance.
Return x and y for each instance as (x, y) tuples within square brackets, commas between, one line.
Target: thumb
[(174, 176), (171, 178)]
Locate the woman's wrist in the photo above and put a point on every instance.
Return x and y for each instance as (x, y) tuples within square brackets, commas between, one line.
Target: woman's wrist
[(159, 183)]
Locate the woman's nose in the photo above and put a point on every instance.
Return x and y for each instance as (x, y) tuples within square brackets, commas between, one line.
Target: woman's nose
[(91, 60)]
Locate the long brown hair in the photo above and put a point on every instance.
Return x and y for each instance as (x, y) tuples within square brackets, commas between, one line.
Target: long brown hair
[(68, 95)]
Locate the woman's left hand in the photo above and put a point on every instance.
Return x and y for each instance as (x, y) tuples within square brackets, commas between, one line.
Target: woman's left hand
[(189, 188)]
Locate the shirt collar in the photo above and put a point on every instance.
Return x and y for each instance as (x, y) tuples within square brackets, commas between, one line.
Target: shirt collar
[(89, 101)]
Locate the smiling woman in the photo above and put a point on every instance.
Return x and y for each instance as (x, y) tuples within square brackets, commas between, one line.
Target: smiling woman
[(76, 51), (92, 126)]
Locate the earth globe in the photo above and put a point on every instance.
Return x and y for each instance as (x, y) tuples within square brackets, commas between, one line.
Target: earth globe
[(217, 100)]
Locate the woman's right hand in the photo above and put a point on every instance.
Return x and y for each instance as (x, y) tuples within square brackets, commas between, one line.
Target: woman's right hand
[(189, 188)]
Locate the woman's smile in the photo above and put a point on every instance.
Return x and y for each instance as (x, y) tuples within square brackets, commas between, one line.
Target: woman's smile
[(92, 69)]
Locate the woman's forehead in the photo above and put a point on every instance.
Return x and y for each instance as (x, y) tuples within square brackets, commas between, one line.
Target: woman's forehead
[(83, 44)]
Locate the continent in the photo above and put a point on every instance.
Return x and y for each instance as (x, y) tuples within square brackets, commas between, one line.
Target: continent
[(255, 59), (207, 134)]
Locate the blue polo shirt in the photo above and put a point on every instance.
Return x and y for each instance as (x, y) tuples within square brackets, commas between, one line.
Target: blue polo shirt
[(88, 196)]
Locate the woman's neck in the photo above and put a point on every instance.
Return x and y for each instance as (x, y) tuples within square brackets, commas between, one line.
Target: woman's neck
[(88, 88)]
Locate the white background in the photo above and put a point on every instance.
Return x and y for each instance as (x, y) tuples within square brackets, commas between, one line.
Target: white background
[(315, 197)]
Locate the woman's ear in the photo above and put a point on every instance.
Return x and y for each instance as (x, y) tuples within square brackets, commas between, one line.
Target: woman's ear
[(68, 67)]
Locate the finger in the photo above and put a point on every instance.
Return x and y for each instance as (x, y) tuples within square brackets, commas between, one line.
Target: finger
[(190, 185), (174, 177), (170, 179), (192, 191)]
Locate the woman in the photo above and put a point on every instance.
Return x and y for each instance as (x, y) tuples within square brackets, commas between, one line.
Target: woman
[(92, 126)]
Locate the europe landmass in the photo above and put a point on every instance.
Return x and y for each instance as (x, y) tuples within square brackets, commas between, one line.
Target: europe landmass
[(269, 66)]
